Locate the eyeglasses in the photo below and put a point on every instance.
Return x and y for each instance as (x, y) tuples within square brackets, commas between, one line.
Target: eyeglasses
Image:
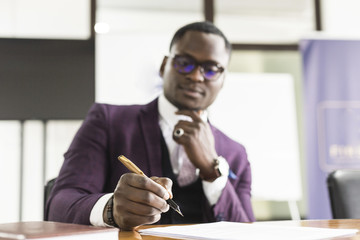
[(185, 64)]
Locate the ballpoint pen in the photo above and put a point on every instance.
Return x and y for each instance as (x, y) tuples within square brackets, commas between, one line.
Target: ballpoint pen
[(133, 168)]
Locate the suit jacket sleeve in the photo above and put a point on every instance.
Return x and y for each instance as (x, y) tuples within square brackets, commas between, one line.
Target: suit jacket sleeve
[(82, 177), (234, 203)]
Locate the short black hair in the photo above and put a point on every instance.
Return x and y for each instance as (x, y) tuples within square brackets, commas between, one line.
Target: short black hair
[(206, 27)]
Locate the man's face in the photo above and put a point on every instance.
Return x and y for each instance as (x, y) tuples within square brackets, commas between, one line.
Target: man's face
[(192, 90)]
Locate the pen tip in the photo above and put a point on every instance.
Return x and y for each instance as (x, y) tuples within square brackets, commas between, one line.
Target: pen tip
[(179, 212), (174, 206)]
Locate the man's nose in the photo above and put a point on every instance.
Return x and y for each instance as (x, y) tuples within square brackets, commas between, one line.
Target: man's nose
[(197, 75)]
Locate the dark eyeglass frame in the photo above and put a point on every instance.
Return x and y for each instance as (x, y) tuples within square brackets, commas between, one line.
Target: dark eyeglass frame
[(194, 64)]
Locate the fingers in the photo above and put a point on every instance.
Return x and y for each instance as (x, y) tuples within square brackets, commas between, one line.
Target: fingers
[(138, 200), (195, 123), (132, 214), (195, 115), (186, 127), (166, 183), (143, 190), (197, 139), (190, 130)]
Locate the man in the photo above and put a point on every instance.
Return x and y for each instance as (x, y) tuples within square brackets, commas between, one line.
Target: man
[(170, 138)]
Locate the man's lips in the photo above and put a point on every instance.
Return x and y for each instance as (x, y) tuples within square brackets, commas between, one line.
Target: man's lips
[(193, 91)]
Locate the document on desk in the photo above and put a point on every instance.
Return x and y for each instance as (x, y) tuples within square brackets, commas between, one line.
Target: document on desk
[(244, 231)]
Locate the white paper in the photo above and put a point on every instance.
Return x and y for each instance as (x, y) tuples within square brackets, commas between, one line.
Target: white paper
[(243, 231)]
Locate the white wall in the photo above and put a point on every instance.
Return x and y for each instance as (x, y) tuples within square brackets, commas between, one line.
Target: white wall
[(22, 179), (45, 19), (9, 170), (24, 163), (341, 17)]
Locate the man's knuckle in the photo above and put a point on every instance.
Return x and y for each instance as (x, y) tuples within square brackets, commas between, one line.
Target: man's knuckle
[(154, 218), (142, 182), (164, 206), (150, 211), (147, 198)]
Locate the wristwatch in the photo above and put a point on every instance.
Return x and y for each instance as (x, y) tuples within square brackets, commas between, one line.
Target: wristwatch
[(221, 166)]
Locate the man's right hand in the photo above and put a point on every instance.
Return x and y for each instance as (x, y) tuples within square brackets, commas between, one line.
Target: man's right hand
[(140, 200)]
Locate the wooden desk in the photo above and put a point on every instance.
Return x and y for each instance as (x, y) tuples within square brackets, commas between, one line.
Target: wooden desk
[(336, 223)]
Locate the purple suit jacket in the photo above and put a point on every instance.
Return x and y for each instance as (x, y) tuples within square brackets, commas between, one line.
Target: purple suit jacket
[(91, 168)]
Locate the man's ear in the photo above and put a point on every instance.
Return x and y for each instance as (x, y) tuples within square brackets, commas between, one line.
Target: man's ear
[(162, 67)]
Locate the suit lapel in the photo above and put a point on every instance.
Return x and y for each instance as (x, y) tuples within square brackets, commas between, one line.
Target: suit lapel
[(218, 146), (149, 123)]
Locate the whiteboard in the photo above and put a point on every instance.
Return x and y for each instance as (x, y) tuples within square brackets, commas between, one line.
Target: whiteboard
[(259, 111)]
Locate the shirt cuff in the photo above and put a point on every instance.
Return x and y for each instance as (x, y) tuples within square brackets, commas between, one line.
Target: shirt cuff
[(213, 190), (96, 215)]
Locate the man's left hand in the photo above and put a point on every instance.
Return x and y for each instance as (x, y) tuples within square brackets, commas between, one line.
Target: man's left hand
[(198, 142)]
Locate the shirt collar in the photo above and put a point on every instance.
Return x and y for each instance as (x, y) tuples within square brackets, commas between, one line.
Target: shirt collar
[(167, 112)]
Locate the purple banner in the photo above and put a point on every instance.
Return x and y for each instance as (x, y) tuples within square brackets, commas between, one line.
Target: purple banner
[(331, 72)]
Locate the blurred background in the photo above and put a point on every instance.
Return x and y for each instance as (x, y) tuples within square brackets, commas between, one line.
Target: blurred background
[(59, 56)]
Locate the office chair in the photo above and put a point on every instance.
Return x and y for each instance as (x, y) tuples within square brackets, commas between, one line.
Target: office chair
[(344, 191), (47, 190)]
